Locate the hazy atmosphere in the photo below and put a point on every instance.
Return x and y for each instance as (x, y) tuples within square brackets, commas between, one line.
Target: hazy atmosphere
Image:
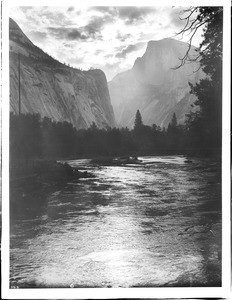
[(109, 38)]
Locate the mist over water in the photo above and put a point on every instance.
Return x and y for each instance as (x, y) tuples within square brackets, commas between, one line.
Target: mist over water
[(157, 223)]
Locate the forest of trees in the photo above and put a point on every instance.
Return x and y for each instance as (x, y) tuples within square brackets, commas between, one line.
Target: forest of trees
[(32, 137)]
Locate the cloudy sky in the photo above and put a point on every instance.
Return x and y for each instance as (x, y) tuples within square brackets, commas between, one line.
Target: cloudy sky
[(109, 38)]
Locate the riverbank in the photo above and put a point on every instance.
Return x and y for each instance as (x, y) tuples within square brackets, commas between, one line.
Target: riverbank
[(30, 177), (43, 170)]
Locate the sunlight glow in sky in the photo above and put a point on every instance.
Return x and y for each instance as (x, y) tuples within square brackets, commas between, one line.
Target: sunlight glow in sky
[(105, 37)]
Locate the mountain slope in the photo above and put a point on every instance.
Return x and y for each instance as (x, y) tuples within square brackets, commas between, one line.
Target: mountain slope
[(55, 90), (154, 87)]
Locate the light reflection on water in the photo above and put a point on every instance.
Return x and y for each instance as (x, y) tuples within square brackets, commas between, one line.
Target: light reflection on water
[(140, 225)]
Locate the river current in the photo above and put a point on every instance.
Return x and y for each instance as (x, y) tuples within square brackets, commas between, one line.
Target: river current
[(152, 224)]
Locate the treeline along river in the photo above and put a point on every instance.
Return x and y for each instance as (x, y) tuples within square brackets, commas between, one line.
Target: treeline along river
[(157, 223)]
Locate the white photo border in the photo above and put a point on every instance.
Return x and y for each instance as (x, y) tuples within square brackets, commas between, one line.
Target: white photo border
[(106, 293)]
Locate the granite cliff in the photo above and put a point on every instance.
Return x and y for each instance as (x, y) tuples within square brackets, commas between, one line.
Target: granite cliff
[(154, 86), (55, 90)]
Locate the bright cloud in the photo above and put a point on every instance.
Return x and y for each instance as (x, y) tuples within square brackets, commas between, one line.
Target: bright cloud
[(110, 38)]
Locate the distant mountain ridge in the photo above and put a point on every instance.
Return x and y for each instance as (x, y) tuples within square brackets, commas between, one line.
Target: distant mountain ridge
[(55, 90), (154, 86)]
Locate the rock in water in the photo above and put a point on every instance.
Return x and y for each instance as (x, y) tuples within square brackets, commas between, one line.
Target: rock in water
[(55, 90), (154, 87)]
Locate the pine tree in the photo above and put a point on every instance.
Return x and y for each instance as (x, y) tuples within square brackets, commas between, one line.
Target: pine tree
[(172, 126), (138, 120), (173, 134), (174, 121), (209, 90), (204, 123)]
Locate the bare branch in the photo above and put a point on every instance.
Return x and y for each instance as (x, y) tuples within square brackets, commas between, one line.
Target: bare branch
[(187, 21), (190, 28), (186, 56), (190, 14), (200, 67)]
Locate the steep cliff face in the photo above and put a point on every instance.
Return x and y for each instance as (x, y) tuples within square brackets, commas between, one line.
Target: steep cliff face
[(55, 90), (154, 87)]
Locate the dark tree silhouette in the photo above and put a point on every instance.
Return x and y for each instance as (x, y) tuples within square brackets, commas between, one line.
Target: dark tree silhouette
[(25, 136), (204, 124), (138, 120), (174, 134), (174, 121), (172, 126)]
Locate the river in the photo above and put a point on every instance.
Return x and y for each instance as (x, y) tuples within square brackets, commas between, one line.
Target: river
[(157, 223)]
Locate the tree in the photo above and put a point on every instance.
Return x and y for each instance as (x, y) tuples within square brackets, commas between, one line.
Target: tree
[(172, 126), (25, 136), (174, 121), (138, 120), (114, 140), (210, 18), (93, 126), (206, 120), (175, 135)]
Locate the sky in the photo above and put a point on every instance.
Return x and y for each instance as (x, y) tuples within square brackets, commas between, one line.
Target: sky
[(105, 37)]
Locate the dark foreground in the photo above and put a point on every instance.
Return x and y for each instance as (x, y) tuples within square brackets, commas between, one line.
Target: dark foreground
[(154, 223)]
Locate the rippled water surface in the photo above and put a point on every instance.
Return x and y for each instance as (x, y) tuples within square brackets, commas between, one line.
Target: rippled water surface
[(153, 224)]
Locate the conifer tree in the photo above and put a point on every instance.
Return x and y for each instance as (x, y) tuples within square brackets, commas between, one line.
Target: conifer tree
[(204, 123), (138, 120), (174, 121)]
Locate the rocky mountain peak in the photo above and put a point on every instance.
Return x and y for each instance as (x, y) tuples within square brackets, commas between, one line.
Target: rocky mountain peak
[(157, 65), (17, 35), (155, 86), (55, 90)]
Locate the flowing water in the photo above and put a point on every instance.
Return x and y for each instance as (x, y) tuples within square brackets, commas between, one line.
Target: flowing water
[(157, 223)]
